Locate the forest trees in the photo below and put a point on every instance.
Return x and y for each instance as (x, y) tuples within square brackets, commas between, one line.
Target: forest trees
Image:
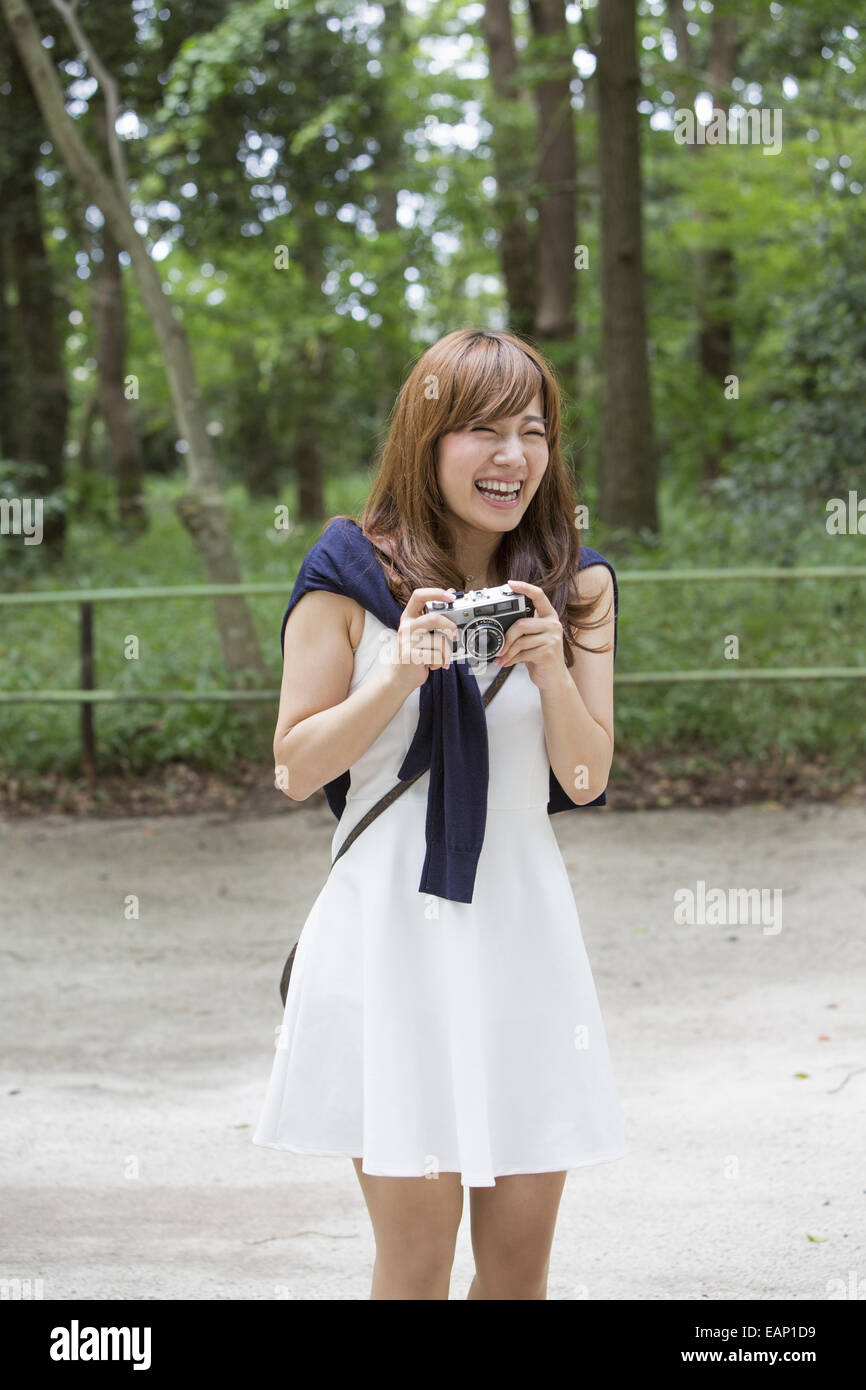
[(329, 188)]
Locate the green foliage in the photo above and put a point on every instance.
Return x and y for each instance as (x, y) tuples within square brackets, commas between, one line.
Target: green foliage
[(20, 563), (263, 127), (809, 439), (662, 627)]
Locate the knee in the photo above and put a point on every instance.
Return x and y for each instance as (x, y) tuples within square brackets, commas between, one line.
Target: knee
[(516, 1269), (417, 1270)]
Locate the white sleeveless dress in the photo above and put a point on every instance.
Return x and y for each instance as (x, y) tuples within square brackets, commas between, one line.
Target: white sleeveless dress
[(423, 1035)]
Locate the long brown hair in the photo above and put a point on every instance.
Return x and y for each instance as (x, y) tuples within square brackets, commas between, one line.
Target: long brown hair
[(467, 377)]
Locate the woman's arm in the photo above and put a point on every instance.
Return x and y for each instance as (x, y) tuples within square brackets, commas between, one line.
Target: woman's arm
[(322, 730), (578, 709), (576, 700)]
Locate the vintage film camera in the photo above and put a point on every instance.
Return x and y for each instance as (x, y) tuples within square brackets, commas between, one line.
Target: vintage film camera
[(483, 616)]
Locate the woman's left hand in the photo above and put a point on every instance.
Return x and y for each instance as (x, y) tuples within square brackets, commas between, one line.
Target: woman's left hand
[(537, 641)]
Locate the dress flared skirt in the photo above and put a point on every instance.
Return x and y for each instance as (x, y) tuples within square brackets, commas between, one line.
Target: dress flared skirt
[(423, 1035)]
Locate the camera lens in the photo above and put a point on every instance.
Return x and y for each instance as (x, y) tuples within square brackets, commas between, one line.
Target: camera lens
[(484, 638)]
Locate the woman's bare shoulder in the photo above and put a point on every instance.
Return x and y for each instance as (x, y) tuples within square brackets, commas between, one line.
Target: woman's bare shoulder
[(595, 583), (323, 601)]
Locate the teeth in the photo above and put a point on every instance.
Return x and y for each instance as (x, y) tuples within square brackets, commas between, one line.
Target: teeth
[(509, 489)]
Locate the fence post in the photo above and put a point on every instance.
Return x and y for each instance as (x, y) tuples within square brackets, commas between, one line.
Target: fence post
[(88, 742)]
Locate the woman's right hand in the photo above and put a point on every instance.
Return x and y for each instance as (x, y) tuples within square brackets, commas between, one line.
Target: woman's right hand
[(423, 639)]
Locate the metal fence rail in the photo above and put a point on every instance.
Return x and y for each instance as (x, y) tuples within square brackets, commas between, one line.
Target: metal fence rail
[(87, 696)]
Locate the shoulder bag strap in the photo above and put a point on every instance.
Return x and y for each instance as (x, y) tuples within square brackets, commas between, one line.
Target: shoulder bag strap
[(377, 810)]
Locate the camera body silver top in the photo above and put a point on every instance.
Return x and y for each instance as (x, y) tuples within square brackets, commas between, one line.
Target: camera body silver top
[(483, 617)]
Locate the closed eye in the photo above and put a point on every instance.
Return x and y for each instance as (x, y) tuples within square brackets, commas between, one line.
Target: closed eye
[(539, 434)]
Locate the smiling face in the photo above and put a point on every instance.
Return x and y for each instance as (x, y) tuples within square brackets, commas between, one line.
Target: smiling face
[(507, 456)]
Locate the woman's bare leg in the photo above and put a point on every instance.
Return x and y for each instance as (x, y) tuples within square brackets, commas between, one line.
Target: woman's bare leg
[(415, 1224), (512, 1232)]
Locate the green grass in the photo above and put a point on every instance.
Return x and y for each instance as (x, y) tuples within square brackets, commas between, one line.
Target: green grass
[(664, 627)]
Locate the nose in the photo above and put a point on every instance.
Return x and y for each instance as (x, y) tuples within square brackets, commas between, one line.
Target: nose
[(510, 449)]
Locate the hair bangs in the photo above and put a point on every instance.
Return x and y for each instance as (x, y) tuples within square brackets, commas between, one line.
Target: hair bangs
[(493, 379)]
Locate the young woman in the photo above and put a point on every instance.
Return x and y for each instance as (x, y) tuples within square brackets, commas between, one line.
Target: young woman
[(447, 1034)]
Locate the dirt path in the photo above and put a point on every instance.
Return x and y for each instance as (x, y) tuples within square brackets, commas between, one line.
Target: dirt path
[(136, 1051)]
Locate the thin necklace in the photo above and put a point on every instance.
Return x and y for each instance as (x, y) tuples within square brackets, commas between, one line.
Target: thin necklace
[(467, 584)]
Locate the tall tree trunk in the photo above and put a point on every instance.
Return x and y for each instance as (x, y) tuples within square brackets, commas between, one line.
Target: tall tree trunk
[(109, 309), (512, 170), (556, 180), (307, 454), (717, 277), (390, 169), (261, 471), (8, 407), (715, 269), (716, 289), (111, 354), (313, 391), (308, 472), (627, 455), (88, 496), (36, 415), (201, 508)]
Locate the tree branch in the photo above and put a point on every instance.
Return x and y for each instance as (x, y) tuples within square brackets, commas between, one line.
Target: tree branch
[(67, 10)]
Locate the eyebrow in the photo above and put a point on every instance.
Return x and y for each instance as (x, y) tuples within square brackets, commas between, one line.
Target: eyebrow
[(541, 418)]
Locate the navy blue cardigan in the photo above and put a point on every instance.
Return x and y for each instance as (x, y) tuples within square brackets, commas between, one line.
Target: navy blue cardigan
[(451, 735)]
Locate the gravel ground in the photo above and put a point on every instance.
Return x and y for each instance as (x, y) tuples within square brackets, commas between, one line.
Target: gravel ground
[(138, 1034)]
